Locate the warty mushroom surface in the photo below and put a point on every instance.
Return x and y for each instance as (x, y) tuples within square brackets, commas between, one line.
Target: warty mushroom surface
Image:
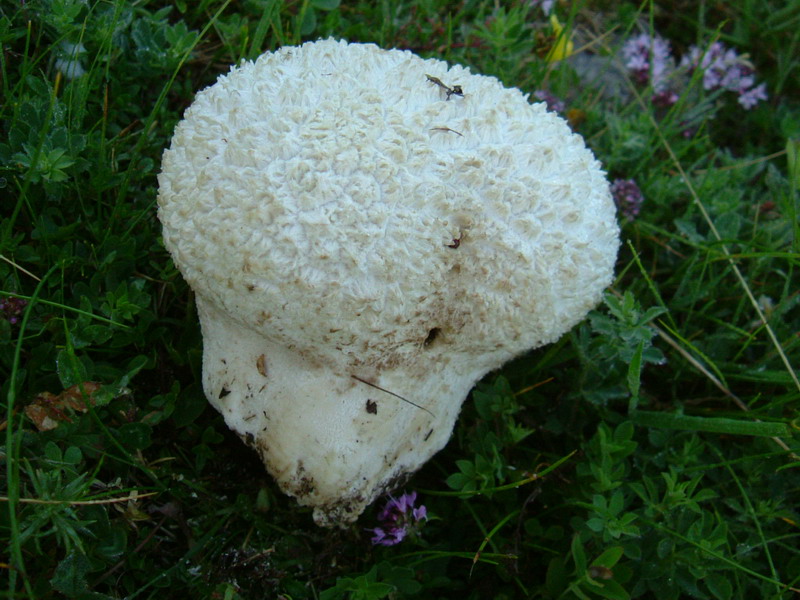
[(364, 246)]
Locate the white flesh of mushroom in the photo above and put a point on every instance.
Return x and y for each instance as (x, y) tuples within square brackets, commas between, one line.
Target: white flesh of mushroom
[(364, 246)]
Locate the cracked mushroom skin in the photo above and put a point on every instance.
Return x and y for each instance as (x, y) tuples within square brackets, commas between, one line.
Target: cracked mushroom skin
[(364, 246)]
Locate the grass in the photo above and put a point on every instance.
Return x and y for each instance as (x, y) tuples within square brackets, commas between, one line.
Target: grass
[(650, 453)]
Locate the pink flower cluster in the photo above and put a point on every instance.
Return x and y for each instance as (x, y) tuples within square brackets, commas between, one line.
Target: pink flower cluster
[(554, 104), (648, 59), (628, 197), (11, 309), (724, 69), (650, 62), (399, 518)]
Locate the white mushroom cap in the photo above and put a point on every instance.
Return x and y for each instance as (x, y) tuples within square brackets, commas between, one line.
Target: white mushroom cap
[(346, 223)]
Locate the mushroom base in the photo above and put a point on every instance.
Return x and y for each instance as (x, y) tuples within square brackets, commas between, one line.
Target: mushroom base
[(333, 435)]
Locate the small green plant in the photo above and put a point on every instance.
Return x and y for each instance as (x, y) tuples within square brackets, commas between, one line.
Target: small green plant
[(380, 581), (495, 431)]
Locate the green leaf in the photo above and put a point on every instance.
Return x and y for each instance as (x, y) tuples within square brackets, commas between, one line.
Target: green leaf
[(190, 404), (596, 524), (460, 482), (793, 162), (364, 587), (325, 4), (611, 590), (70, 369), (719, 586), (634, 376), (69, 577), (578, 554), (609, 557), (52, 452), (466, 467), (73, 455), (135, 435), (664, 548), (113, 544), (134, 366), (401, 578), (211, 436), (309, 23), (557, 577)]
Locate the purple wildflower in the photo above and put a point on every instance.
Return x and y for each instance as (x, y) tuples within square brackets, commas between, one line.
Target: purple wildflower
[(398, 518), (664, 99), (724, 69), (648, 59), (749, 98), (388, 537), (628, 197), (553, 103), (11, 309)]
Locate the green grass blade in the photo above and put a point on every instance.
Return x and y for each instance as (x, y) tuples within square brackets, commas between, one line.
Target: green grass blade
[(709, 424)]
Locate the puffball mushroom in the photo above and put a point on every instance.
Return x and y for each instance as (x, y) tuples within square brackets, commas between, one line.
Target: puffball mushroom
[(364, 244)]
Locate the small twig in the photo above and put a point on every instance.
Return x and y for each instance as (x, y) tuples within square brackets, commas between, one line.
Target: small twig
[(447, 129), (700, 367), (748, 163), (80, 502), (377, 387), (16, 266), (532, 387)]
